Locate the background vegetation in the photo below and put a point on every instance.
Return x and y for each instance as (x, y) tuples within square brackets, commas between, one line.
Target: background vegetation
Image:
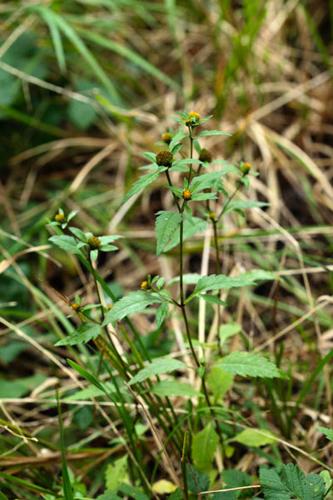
[(86, 87)]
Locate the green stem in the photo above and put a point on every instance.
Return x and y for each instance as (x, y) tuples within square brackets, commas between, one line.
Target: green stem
[(218, 271), (191, 153)]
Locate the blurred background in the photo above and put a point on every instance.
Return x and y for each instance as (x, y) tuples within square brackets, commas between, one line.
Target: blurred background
[(88, 85)]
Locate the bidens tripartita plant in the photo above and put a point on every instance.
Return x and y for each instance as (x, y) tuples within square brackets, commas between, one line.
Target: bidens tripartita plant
[(184, 415)]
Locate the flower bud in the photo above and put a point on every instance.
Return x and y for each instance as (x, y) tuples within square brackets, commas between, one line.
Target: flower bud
[(245, 167), (60, 217), (94, 242), (187, 195), (75, 306), (166, 137), (205, 156), (164, 159), (193, 119), (144, 285)]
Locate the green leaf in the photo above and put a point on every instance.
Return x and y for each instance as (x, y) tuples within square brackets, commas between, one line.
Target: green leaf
[(177, 139), (81, 114), (228, 330), (80, 46), (133, 492), (233, 478), (174, 388), (221, 281), (206, 181), (244, 204), (142, 183), (213, 299), (87, 375), (203, 196), (56, 39), (130, 55), (255, 437), (219, 381), (157, 367), (116, 474), (288, 482), (197, 481), (66, 243), (326, 477), (249, 364), (161, 314), (20, 386), (209, 133), (132, 303), (204, 445), (83, 334), (167, 224), (91, 392), (327, 432), (192, 226)]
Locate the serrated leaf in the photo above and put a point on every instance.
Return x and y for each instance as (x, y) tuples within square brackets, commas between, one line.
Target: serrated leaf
[(167, 224), (192, 226), (142, 183), (209, 133), (288, 482), (173, 388), (254, 437), (116, 474), (157, 367), (132, 303), (83, 334), (197, 481), (233, 478), (219, 381), (327, 432), (204, 445), (221, 281), (206, 181), (203, 196), (249, 364)]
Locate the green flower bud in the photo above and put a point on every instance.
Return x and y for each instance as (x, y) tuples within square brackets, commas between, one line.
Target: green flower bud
[(94, 242), (166, 137), (205, 156), (164, 159)]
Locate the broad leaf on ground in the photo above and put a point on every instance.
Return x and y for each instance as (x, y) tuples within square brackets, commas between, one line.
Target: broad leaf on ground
[(288, 482), (204, 445), (254, 437)]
